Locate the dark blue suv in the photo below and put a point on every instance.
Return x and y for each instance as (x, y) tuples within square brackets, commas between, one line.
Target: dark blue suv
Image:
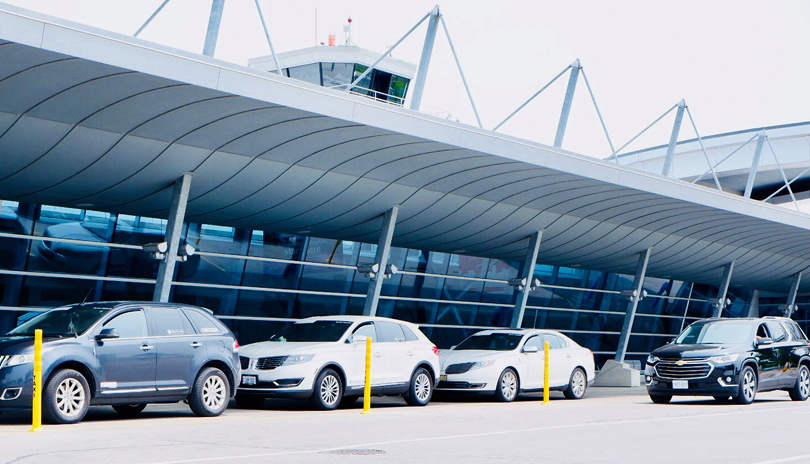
[(123, 354)]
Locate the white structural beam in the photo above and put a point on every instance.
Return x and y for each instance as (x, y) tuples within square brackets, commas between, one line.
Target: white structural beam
[(752, 174), (526, 275), (174, 229), (720, 302), (673, 139), (381, 260), (790, 307), (424, 62), (635, 295), (213, 27), (569, 98)]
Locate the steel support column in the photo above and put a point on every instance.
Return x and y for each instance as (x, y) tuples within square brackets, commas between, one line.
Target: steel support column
[(174, 228), (213, 27), (753, 310), (381, 258), (752, 174), (635, 296), (424, 62), (569, 98), (526, 272), (790, 308), (673, 139), (721, 296)]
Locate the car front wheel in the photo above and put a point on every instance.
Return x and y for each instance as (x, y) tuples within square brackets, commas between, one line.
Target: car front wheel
[(801, 390), (66, 397), (328, 390), (576, 385), (210, 394), (748, 386), (508, 386), (421, 388)]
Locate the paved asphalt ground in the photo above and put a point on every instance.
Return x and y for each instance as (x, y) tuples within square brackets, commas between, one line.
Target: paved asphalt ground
[(610, 425)]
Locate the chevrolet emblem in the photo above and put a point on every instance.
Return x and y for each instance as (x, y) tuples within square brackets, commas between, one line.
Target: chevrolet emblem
[(679, 362)]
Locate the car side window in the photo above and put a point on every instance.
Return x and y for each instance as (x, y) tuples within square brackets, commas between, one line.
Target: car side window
[(535, 340), (796, 331), (762, 332), (170, 322), (390, 332), (204, 324), (366, 330), (131, 324), (554, 342), (777, 332), (409, 335)]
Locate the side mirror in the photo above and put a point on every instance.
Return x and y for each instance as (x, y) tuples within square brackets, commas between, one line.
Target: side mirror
[(670, 341), (107, 333), (530, 349), (764, 341)]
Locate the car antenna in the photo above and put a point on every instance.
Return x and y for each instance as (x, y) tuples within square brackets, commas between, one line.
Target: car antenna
[(87, 296)]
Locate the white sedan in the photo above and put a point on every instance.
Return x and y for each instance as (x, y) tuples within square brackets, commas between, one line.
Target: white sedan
[(323, 359), (507, 362)]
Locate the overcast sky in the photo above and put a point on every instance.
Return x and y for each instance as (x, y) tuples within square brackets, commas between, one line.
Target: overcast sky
[(739, 64)]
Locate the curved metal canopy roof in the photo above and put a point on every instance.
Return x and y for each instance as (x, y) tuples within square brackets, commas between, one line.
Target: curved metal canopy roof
[(88, 117)]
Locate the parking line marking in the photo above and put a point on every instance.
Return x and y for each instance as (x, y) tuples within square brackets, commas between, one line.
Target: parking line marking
[(484, 434)]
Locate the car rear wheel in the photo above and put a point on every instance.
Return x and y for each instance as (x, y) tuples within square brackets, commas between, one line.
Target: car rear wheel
[(66, 397), (576, 385), (421, 388), (748, 386), (801, 390), (249, 401), (210, 394), (660, 399), (328, 390), (129, 410), (508, 386)]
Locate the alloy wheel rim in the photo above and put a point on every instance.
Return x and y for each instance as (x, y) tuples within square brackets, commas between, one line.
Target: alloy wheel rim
[(422, 387), (804, 382), (508, 385), (330, 389), (214, 392), (578, 383), (70, 397), (749, 384)]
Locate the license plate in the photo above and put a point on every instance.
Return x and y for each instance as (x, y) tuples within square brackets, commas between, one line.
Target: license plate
[(442, 378), (680, 384), (248, 380)]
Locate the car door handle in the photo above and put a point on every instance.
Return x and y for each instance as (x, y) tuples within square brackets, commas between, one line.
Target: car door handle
[(377, 354), (146, 347), (409, 353), (568, 356), (196, 344)]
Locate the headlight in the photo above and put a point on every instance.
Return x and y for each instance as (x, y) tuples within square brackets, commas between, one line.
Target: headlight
[(297, 359), (652, 359), (480, 364), (724, 359), (16, 360)]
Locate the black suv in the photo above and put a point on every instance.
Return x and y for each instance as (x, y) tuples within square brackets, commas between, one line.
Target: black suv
[(124, 354), (732, 358)]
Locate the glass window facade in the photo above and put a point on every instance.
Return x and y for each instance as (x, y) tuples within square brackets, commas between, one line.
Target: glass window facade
[(256, 282)]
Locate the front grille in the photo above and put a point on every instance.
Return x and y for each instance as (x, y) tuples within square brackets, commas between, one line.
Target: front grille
[(267, 364), (690, 369), (244, 362), (458, 368)]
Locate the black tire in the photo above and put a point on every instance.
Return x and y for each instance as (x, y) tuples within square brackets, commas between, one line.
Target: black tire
[(660, 399), (249, 401), (421, 389), (129, 410), (210, 394), (747, 390), (348, 401), (508, 386), (577, 384), (66, 397), (801, 390), (721, 398), (327, 390)]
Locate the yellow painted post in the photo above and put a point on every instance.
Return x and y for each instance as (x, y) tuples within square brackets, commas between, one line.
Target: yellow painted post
[(545, 373), (367, 389), (36, 420)]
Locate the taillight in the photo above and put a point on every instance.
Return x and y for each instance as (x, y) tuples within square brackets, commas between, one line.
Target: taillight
[(235, 345), (436, 350)]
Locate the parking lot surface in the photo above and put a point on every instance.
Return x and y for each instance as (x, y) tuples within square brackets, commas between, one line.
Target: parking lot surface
[(610, 425)]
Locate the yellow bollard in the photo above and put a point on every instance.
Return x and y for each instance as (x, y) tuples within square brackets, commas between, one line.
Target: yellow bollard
[(545, 374), (36, 420), (367, 389)]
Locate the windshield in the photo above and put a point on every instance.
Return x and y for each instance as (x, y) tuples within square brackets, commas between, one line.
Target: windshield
[(493, 342), (314, 331), (62, 322), (725, 332)]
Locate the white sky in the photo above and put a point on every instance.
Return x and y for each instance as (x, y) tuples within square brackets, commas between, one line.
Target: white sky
[(739, 64)]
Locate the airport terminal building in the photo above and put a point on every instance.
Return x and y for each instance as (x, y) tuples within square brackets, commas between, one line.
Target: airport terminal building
[(291, 198)]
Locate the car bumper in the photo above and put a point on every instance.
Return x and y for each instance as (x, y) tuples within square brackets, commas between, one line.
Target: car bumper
[(722, 380), (282, 382), (16, 387), (469, 381)]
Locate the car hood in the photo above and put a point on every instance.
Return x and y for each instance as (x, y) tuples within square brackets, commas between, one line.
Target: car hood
[(462, 356), (19, 343), (265, 349), (691, 350)]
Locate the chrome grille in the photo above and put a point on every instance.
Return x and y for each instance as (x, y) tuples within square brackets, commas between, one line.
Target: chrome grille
[(689, 369), (267, 364), (458, 368), (244, 362)]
